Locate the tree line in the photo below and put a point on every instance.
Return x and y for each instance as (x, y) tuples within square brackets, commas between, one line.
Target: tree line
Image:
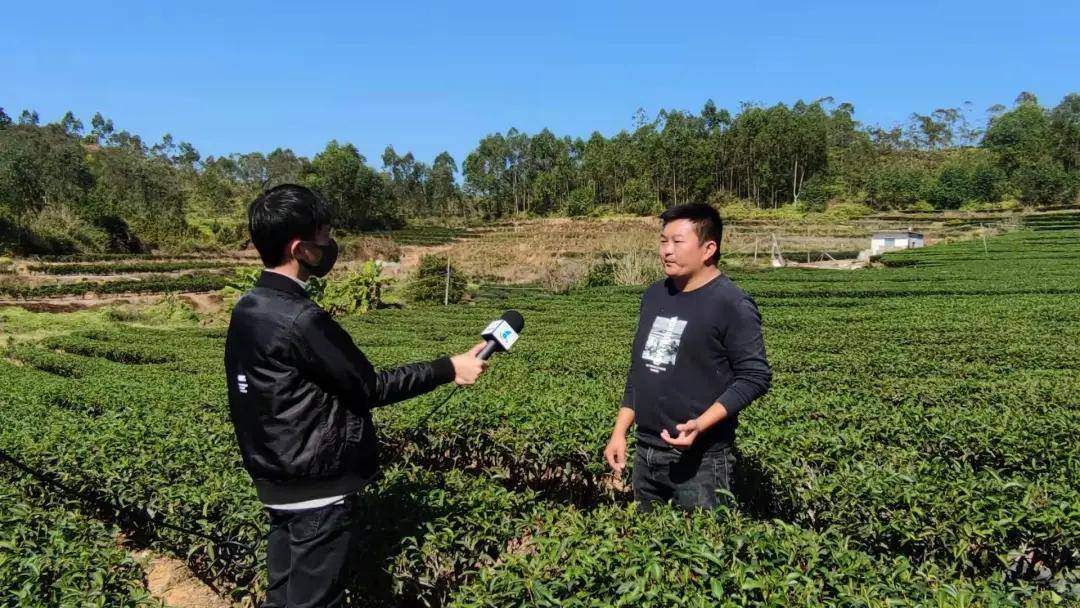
[(68, 187), (808, 154)]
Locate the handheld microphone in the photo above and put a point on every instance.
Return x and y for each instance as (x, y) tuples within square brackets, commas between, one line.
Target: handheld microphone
[(502, 333)]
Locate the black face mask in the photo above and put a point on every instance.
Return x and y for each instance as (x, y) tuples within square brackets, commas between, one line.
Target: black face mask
[(326, 262)]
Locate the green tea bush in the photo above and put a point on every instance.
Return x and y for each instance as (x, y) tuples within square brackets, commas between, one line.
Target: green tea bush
[(428, 284)]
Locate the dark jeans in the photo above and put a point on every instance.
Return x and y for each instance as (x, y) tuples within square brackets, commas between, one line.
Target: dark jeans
[(307, 557), (690, 480)]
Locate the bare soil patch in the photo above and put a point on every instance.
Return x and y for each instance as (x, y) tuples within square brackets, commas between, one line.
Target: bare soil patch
[(171, 582)]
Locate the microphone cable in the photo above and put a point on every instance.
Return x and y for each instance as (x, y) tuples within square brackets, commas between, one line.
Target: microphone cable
[(229, 546)]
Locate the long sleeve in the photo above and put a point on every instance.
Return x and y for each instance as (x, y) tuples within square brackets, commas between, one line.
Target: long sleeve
[(628, 398), (745, 347), (332, 357)]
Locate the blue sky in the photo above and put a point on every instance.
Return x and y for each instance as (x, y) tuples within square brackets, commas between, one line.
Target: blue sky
[(433, 76)]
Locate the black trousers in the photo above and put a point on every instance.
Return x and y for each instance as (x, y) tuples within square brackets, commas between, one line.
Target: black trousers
[(690, 480), (309, 554)]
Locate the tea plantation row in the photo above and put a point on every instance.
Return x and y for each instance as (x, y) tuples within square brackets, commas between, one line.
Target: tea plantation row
[(918, 445)]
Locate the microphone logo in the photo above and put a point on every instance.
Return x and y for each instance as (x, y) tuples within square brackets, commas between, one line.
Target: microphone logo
[(502, 332)]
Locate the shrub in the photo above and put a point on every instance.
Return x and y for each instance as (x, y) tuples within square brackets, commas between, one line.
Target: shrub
[(242, 280), (897, 185), (818, 191), (58, 229), (639, 198), (601, 273), (920, 207), (848, 211), (637, 268), (964, 179), (563, 274), (357, 291), (580, 201), (1045, 183), (429, 282)]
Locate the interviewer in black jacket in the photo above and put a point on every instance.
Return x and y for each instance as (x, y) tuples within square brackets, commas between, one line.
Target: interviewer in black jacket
[(300, 398)]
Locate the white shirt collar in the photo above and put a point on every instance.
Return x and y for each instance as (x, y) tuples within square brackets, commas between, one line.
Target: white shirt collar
[(294, 279)]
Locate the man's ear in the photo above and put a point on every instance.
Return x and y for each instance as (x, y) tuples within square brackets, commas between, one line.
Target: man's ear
[(292, 248), (711, 248)]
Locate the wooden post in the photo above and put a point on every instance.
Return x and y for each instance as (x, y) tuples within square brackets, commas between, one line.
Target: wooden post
[(755, 251), (986, 250), (776, 255), (446, 298)]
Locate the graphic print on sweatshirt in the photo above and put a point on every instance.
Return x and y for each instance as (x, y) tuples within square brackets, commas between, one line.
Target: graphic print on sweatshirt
[(662, 347)]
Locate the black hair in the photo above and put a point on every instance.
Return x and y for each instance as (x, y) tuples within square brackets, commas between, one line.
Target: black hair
[(706, 220), (281, 214)]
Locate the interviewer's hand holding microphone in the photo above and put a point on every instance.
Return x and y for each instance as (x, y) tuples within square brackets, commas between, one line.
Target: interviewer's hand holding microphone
[(498, 336), (467, 365)]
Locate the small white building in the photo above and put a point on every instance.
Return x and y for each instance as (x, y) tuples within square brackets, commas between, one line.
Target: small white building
[(881, 242)]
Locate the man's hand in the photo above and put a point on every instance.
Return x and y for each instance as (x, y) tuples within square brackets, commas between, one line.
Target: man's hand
[(467, 367), (615, 452), (688, 432)]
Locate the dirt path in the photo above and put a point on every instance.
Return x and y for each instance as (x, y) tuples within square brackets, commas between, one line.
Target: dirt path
[(170, 581)]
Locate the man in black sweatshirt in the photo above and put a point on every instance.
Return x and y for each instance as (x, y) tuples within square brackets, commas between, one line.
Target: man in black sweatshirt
[(300, 398), (698, 359)]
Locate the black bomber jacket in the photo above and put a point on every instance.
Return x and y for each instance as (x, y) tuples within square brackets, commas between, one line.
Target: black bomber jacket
[(301, 393)]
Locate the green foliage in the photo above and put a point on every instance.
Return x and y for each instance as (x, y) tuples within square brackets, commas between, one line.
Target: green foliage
[(848, 211), (356, 193), (638, 198), (167, 196), (1045, 182), (913, 474), (52, 556), (243, 279), (355, 291), (899, 184), (1037, 150), (429, 283), (1065, 132), (40, 166), (147, 284), (126, 266), (811, 153), (601, 274), (342, 293), (1019, 135), (817, 193), (148, 193), (225, 231), (967, 178), (57, 229), (580, 201), (613, 556), (922, 207), (170, 310)]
